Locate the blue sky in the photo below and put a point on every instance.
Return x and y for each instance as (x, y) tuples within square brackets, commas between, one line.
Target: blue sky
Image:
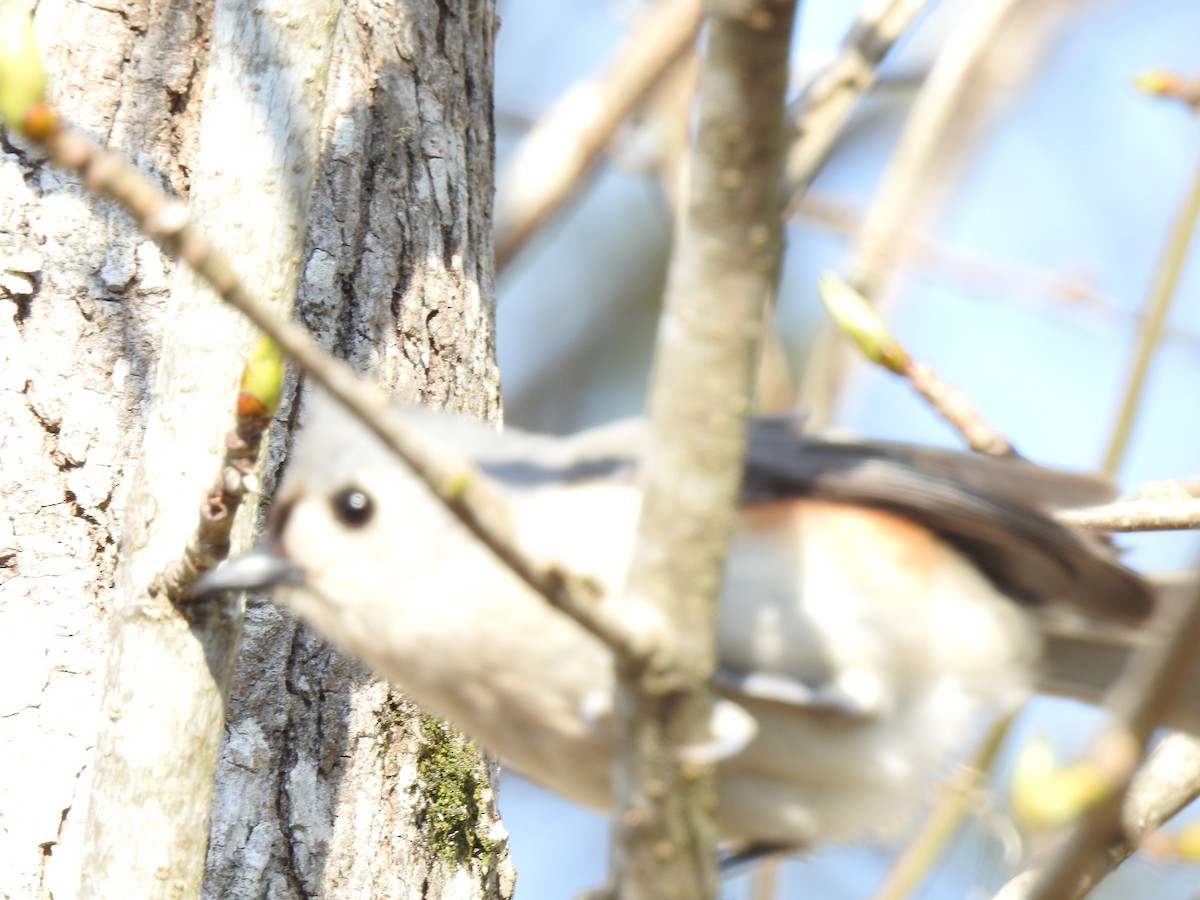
[(1073, 178)]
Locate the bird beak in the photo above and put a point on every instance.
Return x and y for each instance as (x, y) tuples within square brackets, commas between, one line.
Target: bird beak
[(261, 568)]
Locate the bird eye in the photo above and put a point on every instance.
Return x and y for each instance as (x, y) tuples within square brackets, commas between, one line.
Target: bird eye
[(353, 507)]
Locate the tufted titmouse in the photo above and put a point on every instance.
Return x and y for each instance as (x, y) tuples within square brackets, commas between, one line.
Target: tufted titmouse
[(876, 602)]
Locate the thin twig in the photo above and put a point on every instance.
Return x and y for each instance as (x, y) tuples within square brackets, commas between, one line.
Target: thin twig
[(887, 222), (954, 803), (953, 405), (1136, 515), (237, 475), (1171, 86), (550, 164), (933, 112), (1168, 782), (236, 480), (465, 492), (1156, 675), (765, 880), (863, 325), (1157, 305), (1007, 281), (820, 113)]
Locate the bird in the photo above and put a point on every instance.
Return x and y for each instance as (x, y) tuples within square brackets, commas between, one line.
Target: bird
[(879, 600)]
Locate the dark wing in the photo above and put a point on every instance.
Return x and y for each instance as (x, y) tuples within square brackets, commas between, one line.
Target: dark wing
[(778, 435), (969, 500), (990, 509)]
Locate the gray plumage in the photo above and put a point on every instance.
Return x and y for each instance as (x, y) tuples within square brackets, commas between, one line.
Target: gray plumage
[(863, 632)]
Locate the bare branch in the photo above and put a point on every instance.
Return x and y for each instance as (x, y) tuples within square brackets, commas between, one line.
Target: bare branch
[(724, 269), (952, 806), (859, 321), (886, 224), (821, 112), (550, 164), (1168, 782), (1162, 787), (236, 480), (937, 103), (464, 490), (956, 408), (1156, 307), (1171, 86), (1136, 515), (1005, 280), (1156, 675)]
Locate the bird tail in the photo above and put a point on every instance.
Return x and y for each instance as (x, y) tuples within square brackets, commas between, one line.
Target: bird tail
[(1084, 658)]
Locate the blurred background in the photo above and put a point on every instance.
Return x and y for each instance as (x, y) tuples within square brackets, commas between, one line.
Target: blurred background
[(1026, 258)]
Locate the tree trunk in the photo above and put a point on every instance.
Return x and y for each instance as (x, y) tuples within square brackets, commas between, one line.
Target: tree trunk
[(397, 278), (327, 784)]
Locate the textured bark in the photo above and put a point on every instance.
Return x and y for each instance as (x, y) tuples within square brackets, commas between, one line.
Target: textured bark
[(169, 670), (320, 777), (396, 278), (83, 318)]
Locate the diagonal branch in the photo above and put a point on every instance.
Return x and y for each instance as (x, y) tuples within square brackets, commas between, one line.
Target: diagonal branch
[(1153, 680), (821, 112), (464, 491), (549, 165), (1156, 307), (886, 224)]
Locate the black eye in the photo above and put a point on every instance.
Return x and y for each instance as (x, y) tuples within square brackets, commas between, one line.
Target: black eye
[(353, 507)]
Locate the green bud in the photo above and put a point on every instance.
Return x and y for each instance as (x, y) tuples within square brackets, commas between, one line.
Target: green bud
[(22, 77), (262, 380), (857, 319)]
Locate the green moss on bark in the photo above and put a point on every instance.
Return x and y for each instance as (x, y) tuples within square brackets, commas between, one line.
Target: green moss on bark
[(452, 780)]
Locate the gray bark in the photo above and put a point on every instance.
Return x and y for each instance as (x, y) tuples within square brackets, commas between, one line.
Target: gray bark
[(396, 273), (397, 278), (84, 304)]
